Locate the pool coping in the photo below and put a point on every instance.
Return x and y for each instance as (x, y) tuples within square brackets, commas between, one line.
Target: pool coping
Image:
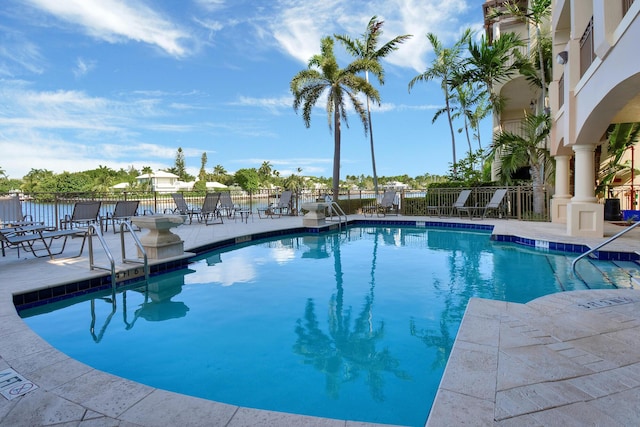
[(70, 390)]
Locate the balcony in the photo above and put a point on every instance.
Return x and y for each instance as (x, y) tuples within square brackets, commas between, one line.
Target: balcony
[(587, 48), (626, 5)]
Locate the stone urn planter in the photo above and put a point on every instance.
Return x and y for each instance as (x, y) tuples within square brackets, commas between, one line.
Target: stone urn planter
[(160, 242)]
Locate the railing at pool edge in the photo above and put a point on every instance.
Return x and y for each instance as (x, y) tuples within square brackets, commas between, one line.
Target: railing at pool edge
[(590, 251), (340, 213), (94, 230)]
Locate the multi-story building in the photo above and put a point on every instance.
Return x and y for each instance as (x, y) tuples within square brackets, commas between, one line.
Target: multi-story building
[(596, 83)]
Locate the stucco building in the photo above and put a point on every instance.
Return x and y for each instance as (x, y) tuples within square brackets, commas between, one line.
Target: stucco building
[(596, 83)]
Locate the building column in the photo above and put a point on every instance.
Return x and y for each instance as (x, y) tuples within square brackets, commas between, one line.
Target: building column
[(585, 216), (561, 196)]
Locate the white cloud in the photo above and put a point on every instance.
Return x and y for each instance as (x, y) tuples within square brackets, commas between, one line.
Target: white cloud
[(17, 52), (271, 104), (116, 21), (211, 5), (299, 25), (83, 67)]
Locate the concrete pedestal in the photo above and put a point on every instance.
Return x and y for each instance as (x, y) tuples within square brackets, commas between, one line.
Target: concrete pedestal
[(160, 242), (559, 209), (585, 219), (315, 215)]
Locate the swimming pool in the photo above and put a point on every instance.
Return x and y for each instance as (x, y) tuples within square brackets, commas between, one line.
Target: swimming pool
[(354, 325)]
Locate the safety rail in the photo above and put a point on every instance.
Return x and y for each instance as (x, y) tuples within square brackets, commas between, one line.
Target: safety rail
[(591, 251), (340, 213), (136, 240), (94, 230)]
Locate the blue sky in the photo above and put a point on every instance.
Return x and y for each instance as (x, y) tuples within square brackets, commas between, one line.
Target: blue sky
[(124, 83)]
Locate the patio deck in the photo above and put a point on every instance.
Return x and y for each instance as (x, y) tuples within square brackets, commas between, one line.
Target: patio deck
[(565, 359)]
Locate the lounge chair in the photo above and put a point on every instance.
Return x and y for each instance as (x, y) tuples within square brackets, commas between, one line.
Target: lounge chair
[(387, 205), (461, 201), (210, 210), (183, 208), (11, 212), (84, 213), (276, 210), (494, 204), (122, 212), (226, 205), (33, 238)]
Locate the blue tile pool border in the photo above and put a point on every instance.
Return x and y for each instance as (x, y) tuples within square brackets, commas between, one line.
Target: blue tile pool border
[(70, 290)]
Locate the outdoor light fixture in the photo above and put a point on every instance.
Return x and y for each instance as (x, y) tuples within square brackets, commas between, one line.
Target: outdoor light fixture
[(563, 57), (532, 106)]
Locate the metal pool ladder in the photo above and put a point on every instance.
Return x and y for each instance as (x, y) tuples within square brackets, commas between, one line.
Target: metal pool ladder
[(606, 242), (333, 206), (95, 231)]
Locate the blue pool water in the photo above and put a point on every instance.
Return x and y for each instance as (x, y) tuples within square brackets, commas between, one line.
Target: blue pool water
[(355, 325)]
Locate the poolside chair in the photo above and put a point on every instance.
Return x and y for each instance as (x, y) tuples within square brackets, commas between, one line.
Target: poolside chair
[(33, 238), (387, 205), (459, 204), (183, 208), (210, 210), (84, 213), (283, 207), (493, 205), (11, 212), (276, 210), (122, 212), (226, 205)]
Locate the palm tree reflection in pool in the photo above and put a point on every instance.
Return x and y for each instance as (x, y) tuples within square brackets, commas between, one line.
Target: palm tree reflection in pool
[(344, 353)]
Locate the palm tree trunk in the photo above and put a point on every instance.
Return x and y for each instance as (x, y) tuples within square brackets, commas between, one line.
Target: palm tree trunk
[(336, 152), (543, 82), (453, 135), (466, 131), (538, 190), (373, 155)]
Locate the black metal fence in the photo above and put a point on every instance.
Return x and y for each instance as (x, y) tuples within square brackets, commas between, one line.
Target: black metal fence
[(50, 208)]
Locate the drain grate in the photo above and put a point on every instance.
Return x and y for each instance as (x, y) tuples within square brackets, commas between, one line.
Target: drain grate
[(609, 302)]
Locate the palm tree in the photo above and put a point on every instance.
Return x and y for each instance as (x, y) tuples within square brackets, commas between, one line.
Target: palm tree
[(526, 148), (491, 63), (621, 136), (367, 48), (324, 74), (445, 66), (472, 107), (265, 171)]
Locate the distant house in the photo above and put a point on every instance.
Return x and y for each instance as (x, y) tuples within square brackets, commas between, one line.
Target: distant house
[(396, 185), (164, 182)]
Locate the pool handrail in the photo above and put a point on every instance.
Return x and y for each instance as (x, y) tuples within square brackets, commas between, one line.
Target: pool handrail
[(592, 250)]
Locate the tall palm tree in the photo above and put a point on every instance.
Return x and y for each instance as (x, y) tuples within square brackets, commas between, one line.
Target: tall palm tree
[(445, 66), (367, 48), (526, 148), (341, 84)]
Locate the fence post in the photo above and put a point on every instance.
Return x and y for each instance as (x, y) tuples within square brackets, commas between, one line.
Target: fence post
[(155, 201), (56, 213), (519, 203)]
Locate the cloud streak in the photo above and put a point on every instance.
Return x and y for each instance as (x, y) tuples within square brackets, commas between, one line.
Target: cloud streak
[(116, 21)]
